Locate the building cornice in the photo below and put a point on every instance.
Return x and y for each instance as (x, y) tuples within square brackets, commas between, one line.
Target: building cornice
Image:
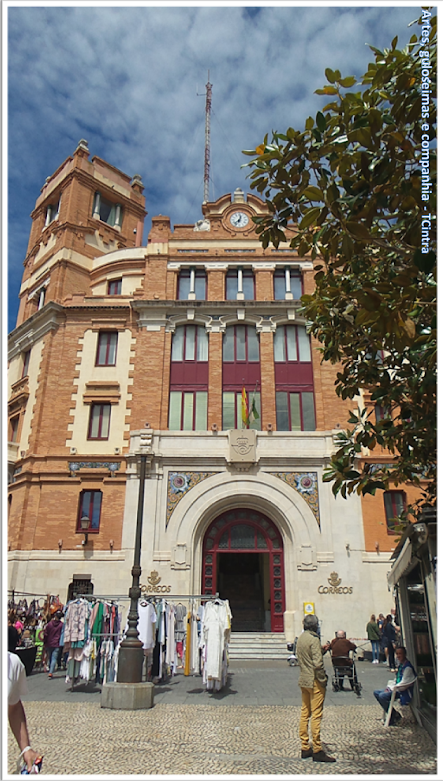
[(34, 328)]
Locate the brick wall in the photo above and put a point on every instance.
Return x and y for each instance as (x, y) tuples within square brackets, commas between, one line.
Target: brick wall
[(215, 380), (267, 380)]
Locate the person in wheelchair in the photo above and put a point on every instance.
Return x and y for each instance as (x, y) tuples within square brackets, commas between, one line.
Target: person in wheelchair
[(340, 648)]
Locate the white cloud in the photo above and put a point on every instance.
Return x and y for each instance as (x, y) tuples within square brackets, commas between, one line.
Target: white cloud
[(125, 78)]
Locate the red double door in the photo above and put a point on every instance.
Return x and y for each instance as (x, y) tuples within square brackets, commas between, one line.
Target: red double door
[(243, 562)]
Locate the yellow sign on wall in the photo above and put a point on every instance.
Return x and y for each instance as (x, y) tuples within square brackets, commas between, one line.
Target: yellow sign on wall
[(308, 608)]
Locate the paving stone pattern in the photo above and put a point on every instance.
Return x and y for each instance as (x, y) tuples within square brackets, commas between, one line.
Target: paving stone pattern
[(238, 732)]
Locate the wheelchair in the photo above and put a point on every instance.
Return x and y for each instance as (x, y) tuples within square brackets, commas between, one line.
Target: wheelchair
[(345, 666)]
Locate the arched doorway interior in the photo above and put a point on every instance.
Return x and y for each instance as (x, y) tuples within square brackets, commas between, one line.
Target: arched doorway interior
[(243, 561)]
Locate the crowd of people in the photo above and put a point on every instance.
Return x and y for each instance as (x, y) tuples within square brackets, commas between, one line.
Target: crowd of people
[(384, 635), (41, 627)]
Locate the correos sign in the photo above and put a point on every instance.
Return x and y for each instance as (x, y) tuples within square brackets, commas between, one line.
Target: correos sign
[(334, 586)]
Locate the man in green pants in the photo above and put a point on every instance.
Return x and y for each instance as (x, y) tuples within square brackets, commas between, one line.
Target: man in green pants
[(312, 681)]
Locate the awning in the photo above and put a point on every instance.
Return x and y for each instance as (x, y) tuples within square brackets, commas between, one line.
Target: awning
[(401, 564)]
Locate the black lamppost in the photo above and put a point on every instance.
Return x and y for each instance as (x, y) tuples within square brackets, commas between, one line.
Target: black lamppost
[(130, 658)]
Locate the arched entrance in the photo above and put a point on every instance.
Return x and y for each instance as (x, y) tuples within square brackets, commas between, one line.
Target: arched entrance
[(243, 561)]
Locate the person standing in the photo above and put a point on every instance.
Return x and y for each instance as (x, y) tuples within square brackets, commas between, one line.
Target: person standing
[(312, 681), (388, 642), (374, 636), (13, 635), (51, 638), (16, 712)]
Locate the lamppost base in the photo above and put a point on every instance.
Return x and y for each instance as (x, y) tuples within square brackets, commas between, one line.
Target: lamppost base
[(130, 662), (127, 696)]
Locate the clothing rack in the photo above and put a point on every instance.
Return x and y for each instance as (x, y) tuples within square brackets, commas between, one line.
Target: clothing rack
[(201, 597), (107, 598), (99, 596)]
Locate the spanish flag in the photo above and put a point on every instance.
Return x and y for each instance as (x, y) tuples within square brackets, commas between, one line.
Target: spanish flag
[(244, 409)]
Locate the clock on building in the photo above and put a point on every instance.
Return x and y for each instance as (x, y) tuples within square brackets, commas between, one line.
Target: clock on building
[(239, 219)]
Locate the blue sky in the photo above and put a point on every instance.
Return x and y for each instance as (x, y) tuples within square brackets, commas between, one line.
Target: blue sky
[(126, 79)]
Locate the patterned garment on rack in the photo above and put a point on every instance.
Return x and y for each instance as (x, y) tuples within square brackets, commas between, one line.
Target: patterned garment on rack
[(75, 621)]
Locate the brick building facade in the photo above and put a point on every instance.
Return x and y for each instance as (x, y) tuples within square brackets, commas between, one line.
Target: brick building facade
[(119, 348)]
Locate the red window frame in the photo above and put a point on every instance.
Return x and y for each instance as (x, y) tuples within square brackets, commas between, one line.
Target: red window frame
[(100, 424), (280, 273), (231, 273), (112, 284), (91, 511), (183, 390), (186, 337), (297, 341), (185, 274), (299, 391), (389, 518), (246, 359), (105, 336)]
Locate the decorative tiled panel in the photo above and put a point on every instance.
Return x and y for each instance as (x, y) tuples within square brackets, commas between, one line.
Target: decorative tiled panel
[(179, 483), (74, 466), (306, 484)]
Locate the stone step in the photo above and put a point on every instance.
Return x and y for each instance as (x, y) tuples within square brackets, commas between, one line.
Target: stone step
[(258, 645)]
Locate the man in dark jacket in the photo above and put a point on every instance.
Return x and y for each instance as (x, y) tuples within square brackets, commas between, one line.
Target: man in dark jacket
[(312, 681), (51, 639), (340, 648)]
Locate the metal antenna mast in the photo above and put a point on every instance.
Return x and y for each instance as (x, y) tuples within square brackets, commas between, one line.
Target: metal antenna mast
[(207, 141)]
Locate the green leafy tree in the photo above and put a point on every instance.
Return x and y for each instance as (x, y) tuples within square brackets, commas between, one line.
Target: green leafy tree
[(349, 190)]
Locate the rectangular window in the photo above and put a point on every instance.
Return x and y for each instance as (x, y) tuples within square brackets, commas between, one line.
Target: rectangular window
[(111, 213), (248, 285), (106, 348), (287, 281), (240, 281), (232, 410), (90, 506), (41, 299), (190, 343), (115, 287), (13, 428), (231, 285), (26, 357), (99, 421), (52, 212), (395, 503), (295, 411), (188, 411), (200, 286), (192, 281)]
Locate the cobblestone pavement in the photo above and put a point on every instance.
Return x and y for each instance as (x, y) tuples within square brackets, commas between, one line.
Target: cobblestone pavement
[(79, 737)]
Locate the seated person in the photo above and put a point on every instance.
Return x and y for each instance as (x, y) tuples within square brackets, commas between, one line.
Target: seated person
[(403, 686), (340, 648)]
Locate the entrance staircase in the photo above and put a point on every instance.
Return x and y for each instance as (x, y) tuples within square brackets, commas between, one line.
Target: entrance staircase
[(258, 645)]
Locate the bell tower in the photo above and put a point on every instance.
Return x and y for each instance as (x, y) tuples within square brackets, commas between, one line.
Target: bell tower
[(86, 209)]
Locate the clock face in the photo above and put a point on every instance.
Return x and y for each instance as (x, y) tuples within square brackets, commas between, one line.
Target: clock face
[(239, 219)]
